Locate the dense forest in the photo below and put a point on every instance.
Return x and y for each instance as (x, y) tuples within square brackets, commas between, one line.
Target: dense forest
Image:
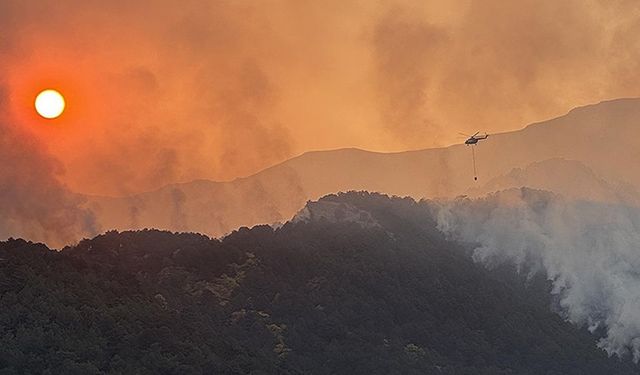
[(359, 283)]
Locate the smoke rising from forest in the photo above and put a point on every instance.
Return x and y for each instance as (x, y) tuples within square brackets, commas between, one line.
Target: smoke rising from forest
[(589, 251)]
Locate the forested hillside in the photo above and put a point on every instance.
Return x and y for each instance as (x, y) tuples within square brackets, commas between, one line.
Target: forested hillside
[(357, 283)]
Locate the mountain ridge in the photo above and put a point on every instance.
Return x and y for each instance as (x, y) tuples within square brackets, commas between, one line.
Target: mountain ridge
[(363, 150), (276, 193)]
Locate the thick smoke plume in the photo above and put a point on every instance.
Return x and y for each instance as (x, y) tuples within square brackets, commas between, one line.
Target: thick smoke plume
[(589, 251), (34, 204)]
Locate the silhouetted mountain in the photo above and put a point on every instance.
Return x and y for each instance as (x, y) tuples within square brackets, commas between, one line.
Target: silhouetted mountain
[(601, 136), (357, 283)]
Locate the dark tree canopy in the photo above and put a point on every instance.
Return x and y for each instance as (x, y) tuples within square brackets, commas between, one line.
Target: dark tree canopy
[(326, 295)]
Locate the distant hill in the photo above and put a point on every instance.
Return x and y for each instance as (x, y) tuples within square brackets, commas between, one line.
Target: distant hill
[(602, 137), (569, 178), (357, 283)]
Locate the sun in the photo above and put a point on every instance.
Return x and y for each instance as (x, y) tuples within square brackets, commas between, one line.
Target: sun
[(50, 104)]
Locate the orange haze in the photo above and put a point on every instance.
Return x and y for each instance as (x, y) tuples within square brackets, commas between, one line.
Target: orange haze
[(165, 91)]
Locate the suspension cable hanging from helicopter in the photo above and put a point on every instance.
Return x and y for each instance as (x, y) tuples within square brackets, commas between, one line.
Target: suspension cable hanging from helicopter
[(473, 141), (473, 156)]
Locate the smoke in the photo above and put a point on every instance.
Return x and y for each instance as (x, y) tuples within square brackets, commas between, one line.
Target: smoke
[(33, 202), (158, 92), (589, 251), (178, 216), (162, 92), (405, 52)]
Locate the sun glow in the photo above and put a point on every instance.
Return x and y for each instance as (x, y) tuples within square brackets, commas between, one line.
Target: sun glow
[(50, 104)]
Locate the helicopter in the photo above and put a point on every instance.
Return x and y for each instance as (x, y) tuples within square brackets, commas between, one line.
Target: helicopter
[(472, 141)]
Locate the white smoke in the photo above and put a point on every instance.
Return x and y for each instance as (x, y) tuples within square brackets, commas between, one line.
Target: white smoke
[(589, 251)]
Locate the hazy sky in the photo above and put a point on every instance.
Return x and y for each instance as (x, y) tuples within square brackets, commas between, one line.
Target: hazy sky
[(165, 91)]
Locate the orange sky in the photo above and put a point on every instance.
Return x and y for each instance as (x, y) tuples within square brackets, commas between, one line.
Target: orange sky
[(165, 91)]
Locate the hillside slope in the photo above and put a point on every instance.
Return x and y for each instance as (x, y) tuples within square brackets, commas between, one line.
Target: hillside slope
[(357, 284)]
